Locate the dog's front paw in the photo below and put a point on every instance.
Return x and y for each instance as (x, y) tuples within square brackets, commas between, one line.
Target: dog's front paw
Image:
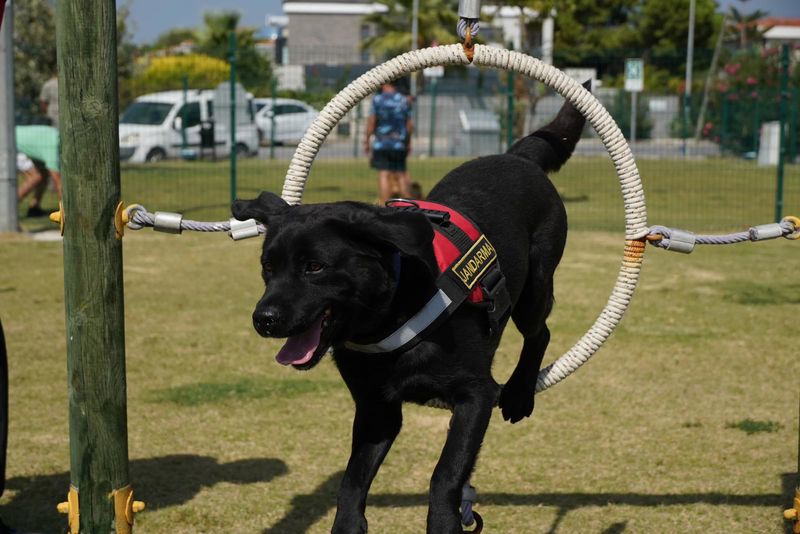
[(516, 401)]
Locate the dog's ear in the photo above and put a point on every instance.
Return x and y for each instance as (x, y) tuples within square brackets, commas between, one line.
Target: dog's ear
[(261, 209), (409, 233)]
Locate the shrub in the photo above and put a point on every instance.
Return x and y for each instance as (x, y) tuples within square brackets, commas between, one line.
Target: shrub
[(167, 73)]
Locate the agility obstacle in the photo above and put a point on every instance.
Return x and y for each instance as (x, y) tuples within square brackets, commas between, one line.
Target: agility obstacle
[(93, 221)]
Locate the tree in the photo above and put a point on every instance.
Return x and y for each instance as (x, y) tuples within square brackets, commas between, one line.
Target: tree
[(662, 28), (168, 72), (173, 37), (588, 31), (253, 68), (743, 28), (126, 54), (437, 24), (34, 53), (601, 34)]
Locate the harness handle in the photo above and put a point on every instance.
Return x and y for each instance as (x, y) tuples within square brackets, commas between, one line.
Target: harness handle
[(435, 216)]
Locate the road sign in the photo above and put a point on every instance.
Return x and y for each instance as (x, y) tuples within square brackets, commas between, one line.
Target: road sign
[(634, 75)]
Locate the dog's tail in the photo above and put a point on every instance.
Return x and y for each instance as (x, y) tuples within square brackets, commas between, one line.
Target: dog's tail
[(551, 145)]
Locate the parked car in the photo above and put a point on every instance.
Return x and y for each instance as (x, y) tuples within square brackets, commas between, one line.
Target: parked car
[(292, 119), (151, 128)]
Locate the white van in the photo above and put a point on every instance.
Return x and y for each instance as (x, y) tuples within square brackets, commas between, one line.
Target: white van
[(150, 128)]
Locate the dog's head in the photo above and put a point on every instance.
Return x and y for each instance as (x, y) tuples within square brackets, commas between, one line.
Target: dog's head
[(330, 270)]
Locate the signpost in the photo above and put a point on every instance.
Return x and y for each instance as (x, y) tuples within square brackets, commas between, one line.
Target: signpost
[(634, 84), (433, 74), (9, 220)]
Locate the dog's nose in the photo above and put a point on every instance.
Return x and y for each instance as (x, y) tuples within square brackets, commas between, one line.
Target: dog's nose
[(265, 320)]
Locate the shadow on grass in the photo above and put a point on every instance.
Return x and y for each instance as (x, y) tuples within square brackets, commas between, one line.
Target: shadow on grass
[(160, 482), (306, 510)]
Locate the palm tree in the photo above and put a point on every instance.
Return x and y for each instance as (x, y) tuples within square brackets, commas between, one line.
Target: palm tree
[(437, 24), (213, 36), (254, 70), (744, 26)]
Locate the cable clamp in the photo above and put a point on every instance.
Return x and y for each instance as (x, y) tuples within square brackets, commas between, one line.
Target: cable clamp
[(168, 222), (763, 232), (681, 241), (243, 229)]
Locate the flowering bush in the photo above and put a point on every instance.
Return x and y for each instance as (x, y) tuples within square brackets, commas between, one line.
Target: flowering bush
[(746, 95)]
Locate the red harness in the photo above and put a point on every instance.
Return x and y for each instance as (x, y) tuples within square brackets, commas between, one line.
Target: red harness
[(466, 259), (445, 250), (468, 271)]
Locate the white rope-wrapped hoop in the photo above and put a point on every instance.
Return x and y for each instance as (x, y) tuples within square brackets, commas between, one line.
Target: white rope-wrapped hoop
[(636, 228)]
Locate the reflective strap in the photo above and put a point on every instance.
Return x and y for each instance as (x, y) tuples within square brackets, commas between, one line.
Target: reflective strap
[(410, 330)]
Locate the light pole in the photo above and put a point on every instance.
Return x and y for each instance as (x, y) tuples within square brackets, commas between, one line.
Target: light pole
[(9, 218), (687, 90)]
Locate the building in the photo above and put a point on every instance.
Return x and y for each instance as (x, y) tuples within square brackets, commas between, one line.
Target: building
[(780, 30), (323, 32)]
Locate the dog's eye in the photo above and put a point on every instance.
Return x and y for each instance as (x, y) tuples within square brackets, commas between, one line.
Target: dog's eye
[(267, 267), (314, 267)]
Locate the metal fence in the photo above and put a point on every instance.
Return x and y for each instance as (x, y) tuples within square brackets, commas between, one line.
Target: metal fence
[(711, 171)]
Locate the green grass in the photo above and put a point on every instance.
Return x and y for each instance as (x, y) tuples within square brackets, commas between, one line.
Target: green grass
[(749, 426), (242, 389), (223, 439)]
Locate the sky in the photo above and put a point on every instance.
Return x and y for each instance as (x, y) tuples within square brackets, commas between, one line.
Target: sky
[(150, 18)]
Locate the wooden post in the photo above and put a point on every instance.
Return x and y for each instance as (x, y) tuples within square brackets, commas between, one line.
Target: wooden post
[(87, 66)]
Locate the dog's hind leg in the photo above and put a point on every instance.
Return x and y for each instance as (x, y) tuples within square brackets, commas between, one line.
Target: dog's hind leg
[(467, 428), (529, 315), (375, 427)]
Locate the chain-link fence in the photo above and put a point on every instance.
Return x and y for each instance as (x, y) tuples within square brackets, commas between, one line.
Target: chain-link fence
[(707, 163)]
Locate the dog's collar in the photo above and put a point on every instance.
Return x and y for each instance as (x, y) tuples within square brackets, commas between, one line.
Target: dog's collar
[(469, 271)]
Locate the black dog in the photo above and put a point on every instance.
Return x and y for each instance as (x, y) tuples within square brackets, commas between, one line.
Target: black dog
[(346, 274)]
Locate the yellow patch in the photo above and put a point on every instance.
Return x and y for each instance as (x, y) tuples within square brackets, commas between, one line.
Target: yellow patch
[(474, 263)]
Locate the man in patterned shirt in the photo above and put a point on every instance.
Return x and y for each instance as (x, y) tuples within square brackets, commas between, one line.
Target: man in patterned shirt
[(388, 138)]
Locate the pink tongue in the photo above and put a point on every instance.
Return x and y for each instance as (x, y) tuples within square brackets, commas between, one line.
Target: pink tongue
[(300, 348)]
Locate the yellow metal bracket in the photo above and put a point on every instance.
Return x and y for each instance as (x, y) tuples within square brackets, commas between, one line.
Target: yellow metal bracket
[(58, 217), (122, 216), (72, 510), (120, 219), (792, 513), (124, 508), (796, 222)]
